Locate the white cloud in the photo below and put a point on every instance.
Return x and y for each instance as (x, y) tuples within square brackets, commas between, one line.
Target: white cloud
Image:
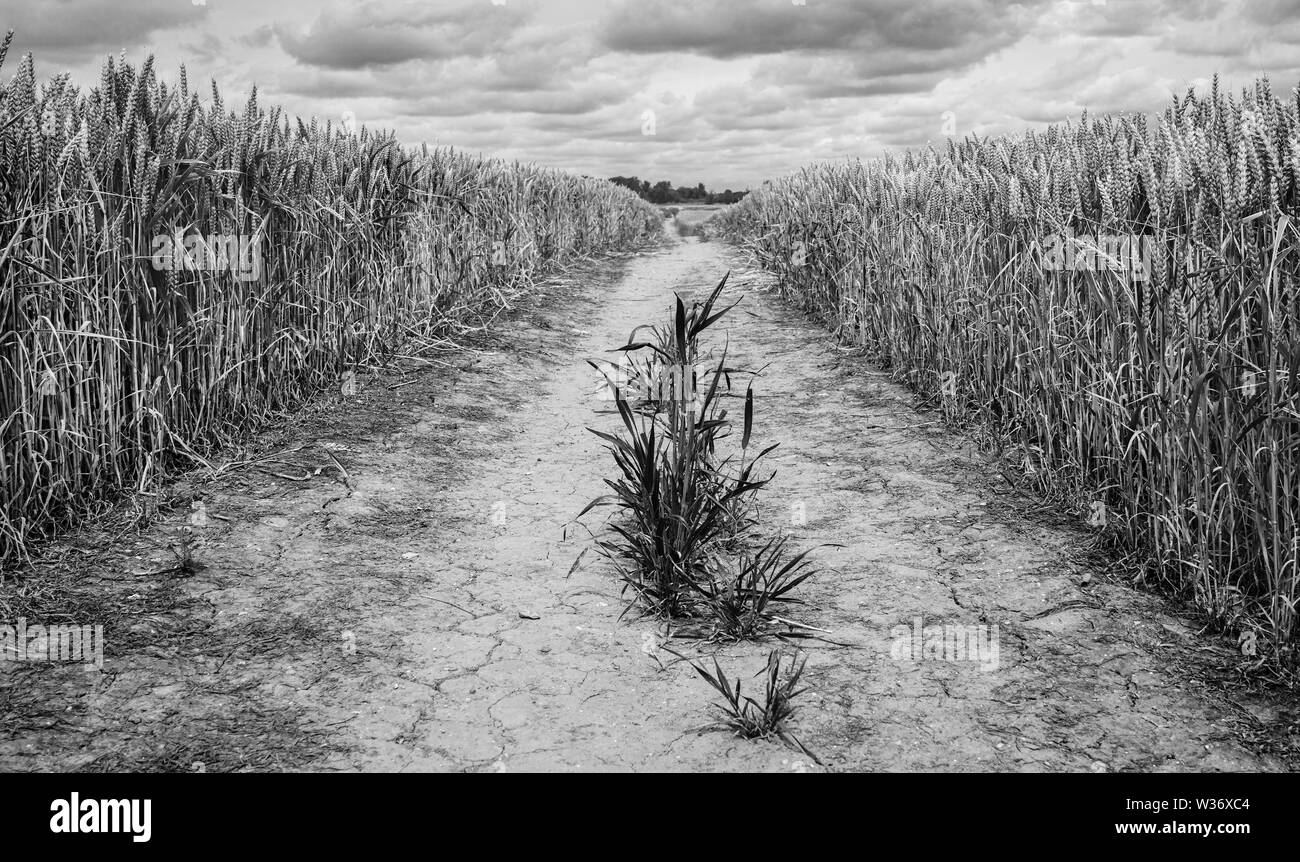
[(742, 91)]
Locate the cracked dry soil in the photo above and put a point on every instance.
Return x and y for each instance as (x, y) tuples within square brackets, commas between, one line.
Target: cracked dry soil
[(393, 591)]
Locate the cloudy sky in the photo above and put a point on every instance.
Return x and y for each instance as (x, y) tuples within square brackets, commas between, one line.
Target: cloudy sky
[(734, 92)]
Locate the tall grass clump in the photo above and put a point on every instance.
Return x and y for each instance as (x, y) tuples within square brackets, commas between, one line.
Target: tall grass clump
[(684, 544), (1116, 299), (676, 492), (115, 369)]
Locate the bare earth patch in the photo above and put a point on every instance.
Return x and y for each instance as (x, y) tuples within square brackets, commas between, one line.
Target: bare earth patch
[(393, 591)]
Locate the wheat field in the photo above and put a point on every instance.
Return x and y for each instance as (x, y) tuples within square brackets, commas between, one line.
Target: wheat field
[(786, 388), (126, 353), (1113, 301)]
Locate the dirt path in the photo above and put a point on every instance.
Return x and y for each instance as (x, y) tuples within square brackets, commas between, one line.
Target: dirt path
[(409, 607)]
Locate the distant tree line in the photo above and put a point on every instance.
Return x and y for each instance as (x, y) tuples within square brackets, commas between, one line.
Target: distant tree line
[(663, 192)]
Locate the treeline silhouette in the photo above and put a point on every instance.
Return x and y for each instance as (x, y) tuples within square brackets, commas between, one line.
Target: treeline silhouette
[(663, 192)]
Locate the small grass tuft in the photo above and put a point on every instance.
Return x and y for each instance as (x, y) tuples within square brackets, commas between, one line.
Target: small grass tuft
[(751, 719)]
